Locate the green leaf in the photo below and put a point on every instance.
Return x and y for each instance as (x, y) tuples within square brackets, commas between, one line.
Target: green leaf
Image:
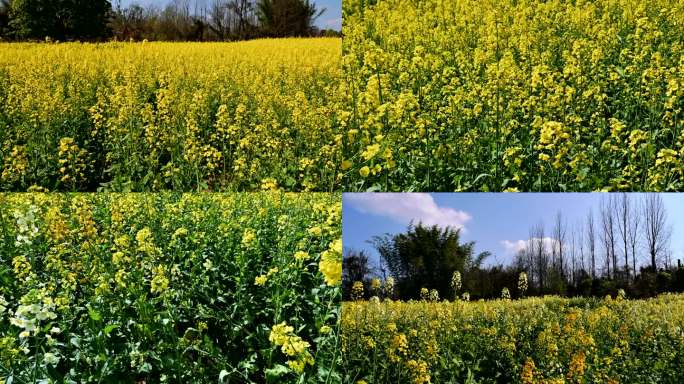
[(108, 329), (480, 177), (222, 376), (277, 371), (95, 315)]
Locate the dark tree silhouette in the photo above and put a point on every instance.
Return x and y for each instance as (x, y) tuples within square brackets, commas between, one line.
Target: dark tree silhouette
[(60, 19), (4, 17), (131, 22), (281, 18), (426, 257), (355, 267), (657, 230), (591, 241)]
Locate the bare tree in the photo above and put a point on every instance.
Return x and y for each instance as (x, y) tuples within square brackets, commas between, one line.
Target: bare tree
[(608, 233), (520, 262), (633, 232), (657, 231), (540, 254), (232, 17), (580, 242), (559, 232), (220, 18), (242, 10), (623, 212), (591, 242), (668, 258), (573, 253), (134, 22), (530, 259)]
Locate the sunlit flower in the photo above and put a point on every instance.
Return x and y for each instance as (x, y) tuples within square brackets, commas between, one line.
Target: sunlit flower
[(331, 263), (301, 256)]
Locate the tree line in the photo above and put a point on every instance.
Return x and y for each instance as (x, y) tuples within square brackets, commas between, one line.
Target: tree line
[(623, 245), (179, 20)]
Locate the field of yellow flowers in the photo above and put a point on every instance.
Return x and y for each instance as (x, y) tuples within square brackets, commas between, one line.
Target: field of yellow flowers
[(152, 116), (198, 288), (513, 95), (534, 340)]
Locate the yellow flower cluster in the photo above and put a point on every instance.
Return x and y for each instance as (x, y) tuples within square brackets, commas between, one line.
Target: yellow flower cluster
[(148, 117), (72, 162), (533, 340), (15, 167), (419, 371), (248, 238), (331, 263), (145, 241), (283, 336), (357, 290), (160, 281), (487, 95), (301, 256), (262, 279), (22, 268)]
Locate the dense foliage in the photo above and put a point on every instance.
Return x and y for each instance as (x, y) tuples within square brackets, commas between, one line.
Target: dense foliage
[(535, 340), (514, 95), (287, 17), (156, 288), (426, 257), (59, 19), (151, 116)]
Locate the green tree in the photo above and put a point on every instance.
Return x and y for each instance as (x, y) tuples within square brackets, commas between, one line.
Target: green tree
[(355, 267), (280, 18), (4, 18), (426, 257), (60, 19)]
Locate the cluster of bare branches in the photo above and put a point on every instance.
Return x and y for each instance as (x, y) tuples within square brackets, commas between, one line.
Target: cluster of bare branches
[(626, 233)]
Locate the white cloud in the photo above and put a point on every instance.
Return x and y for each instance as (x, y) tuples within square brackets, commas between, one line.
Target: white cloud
[(405, 207), (335, 23), (515, 246)]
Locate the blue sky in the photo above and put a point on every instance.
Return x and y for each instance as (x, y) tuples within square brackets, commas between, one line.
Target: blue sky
[(496, 221), (332, 18)]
